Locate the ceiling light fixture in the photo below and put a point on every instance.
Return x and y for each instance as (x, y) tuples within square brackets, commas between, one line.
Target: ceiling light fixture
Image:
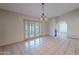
[(43, 17)]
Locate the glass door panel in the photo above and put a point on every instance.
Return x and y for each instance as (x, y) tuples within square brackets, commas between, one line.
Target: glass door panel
[(37, 28), (26, 30), (32, 29)]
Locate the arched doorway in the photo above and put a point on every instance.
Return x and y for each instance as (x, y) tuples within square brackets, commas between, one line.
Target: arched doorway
[(62, 29)]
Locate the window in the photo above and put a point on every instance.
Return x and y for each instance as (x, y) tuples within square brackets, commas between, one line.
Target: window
[(32, 29), (62, 29)]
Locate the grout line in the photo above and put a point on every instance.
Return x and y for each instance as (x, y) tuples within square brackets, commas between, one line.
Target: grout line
[(67, 46), (58, 48), (75, 47)]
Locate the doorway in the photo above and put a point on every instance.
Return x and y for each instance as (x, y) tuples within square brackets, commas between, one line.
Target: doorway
[(62, 29), (32, 29)]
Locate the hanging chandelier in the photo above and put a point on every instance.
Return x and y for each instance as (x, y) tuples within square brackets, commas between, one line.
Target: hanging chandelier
[(43, 17)]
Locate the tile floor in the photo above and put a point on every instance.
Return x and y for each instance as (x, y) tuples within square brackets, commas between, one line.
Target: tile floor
[(43, 46)]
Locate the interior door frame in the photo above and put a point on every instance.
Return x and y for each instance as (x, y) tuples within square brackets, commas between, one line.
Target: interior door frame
[(34, 26)]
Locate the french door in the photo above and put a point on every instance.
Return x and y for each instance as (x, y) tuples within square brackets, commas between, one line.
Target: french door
[(32, 29)]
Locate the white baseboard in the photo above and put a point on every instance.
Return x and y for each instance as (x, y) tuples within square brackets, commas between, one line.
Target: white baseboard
[(73, 36)]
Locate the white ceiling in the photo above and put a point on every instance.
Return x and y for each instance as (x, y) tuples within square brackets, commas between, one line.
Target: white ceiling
[(34, 9)]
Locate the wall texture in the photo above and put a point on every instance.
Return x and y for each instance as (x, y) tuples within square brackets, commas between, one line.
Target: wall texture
[(51, 26), (12, 27), (72, 20)]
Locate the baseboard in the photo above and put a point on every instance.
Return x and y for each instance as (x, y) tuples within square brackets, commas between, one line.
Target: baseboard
[(11, 43), (22, 40), (73, 37)]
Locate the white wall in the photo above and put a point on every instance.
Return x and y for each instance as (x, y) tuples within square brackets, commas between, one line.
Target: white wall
[(12, 27), (51, 26), (1, 30), (45, 29), (72, 20)]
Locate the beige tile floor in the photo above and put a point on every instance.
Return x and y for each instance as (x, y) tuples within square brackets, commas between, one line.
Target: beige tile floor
[(43, 46)]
